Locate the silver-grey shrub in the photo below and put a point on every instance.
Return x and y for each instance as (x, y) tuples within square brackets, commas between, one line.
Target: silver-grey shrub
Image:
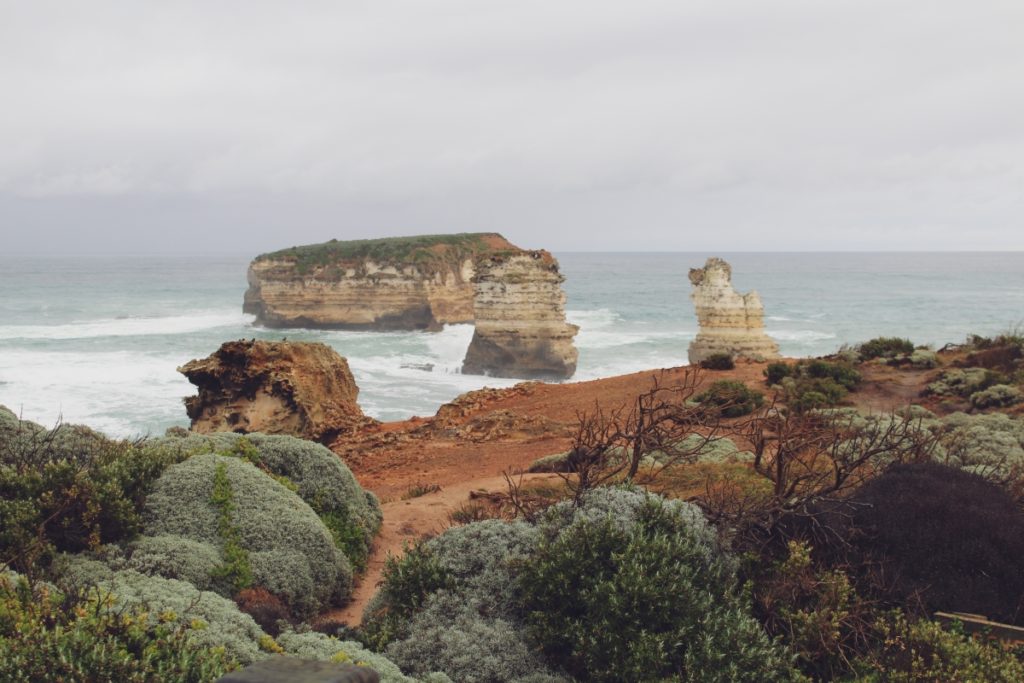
[(472, 627), (214, 621), (289, 547), (174, 557), (322, 479)]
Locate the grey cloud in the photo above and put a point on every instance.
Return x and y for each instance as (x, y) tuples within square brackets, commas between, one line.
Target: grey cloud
[(587, 125)]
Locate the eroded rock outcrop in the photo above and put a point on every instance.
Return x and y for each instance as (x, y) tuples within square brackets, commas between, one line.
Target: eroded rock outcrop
[(730, 322), (519, 308), (399, 283), (297, 388)]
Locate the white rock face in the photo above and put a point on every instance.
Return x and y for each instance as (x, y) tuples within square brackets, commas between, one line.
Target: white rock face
[(519, 307), (730, 322)]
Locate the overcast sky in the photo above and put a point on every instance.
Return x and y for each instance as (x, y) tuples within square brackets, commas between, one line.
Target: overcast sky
[(571, 125)]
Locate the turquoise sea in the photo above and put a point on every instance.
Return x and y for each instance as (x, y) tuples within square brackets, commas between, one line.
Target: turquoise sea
[(96, 340)]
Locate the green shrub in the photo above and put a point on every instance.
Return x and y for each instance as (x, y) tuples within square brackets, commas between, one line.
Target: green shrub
[(318, 475), (462, 603), (923, 651), (718, 361), (885, 347), (213, 621), (174, 557), (69, 489), (996, 396), (815, 384), (963, 382), (776, 372), (732, 398), (594, 595), (268, 532), (46, 635), (842, 374)]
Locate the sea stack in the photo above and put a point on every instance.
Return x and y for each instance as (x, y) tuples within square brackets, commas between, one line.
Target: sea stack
[(300, 389), (395, 283), (730, 322), (519, 307)]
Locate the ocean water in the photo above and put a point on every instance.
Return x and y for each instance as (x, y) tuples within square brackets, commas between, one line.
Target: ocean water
[(97, 340)]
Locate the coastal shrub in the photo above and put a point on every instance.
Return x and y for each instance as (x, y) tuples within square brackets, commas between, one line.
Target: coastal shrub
[(451, 636), (174, 557), (963, 382), (266, 534), (557, 462), (733, 399), (472, 559), (479, 602), (815, 384), (311, 645), (48, 635), (774, 373), (319, 477), (991, 445), (212, 620), (594, 597), (923, 651), (715, 450), (932, 537), (68, 489), (718, 361), (924, 359), (815, 609), (996, 396), (885, 347)]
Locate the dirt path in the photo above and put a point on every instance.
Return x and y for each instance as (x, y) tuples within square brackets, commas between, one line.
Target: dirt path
[(406, 521)]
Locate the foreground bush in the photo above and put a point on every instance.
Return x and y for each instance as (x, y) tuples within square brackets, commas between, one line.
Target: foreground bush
[(594, 595), (586, 588), (932, 537), (267, 536), (69, 489), (46, 635), (923, 651), (316, 474)]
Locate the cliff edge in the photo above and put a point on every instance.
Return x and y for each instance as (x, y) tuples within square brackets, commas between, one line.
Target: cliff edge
[(730, 322), (396, 283), (300, 389), (520, 330)]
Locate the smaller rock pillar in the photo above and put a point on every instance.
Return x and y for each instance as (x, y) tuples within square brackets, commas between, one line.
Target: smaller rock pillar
[(519, 308), (730, 322)]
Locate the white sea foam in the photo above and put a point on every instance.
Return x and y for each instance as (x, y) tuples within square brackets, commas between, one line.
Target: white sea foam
[(129, 327), (800, 335), (598, 317), (116, 392)]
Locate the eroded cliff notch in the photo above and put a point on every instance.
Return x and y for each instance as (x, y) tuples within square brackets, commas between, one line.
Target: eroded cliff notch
[(730, 322), (301, 389), (521, 330), (395, 283)]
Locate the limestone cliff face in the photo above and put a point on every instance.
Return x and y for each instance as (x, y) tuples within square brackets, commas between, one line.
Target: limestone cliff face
[(297, 388), (519, 308), (414, 283), (730, 322)]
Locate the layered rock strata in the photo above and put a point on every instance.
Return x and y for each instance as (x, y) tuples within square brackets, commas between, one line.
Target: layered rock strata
[(296, 388), (401, 283), (730, 322), (519, 308)]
